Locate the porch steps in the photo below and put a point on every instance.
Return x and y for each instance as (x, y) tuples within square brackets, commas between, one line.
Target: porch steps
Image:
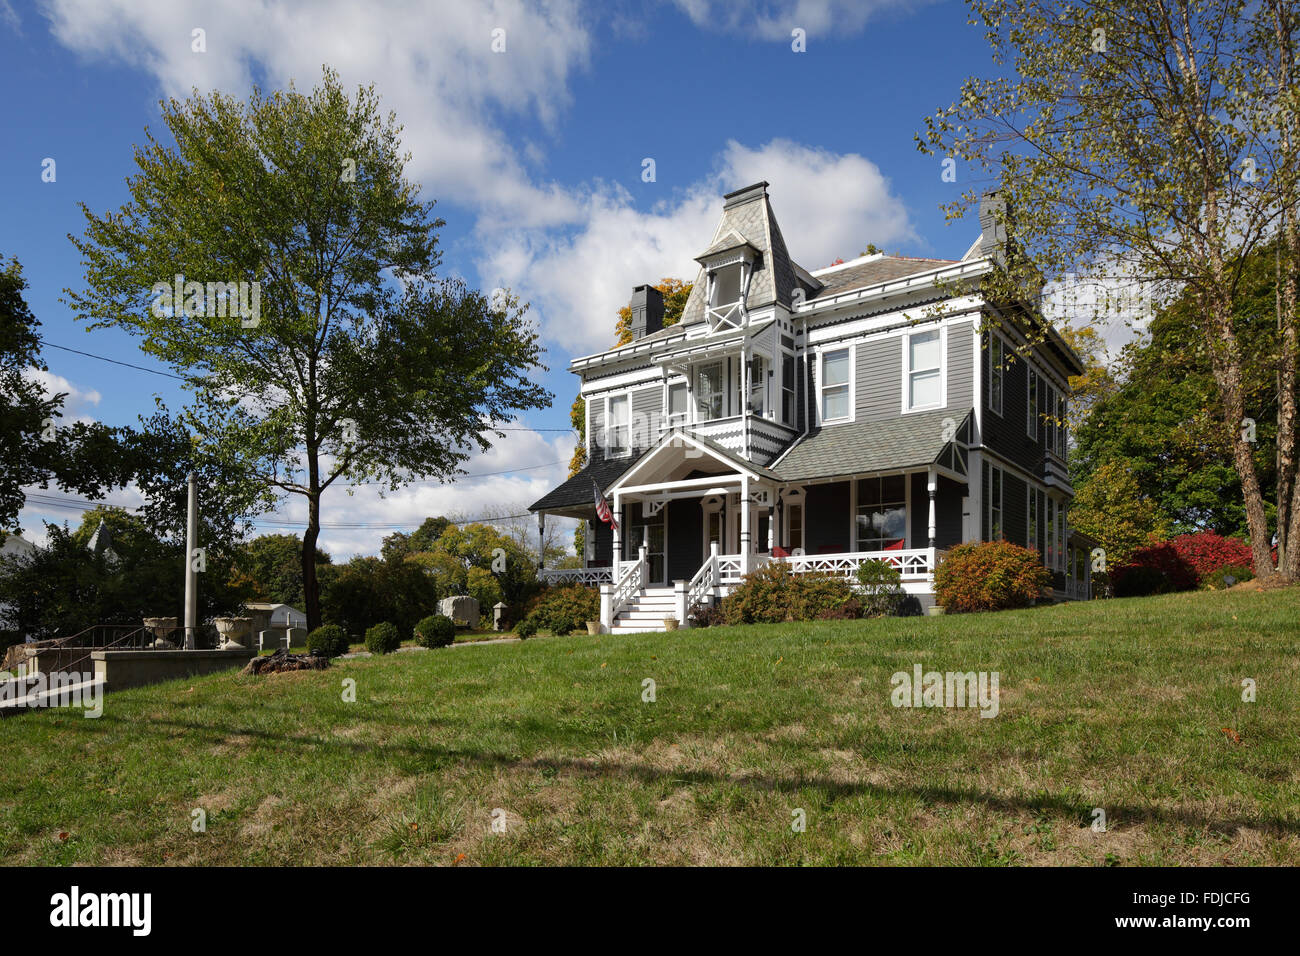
[(646, 613)]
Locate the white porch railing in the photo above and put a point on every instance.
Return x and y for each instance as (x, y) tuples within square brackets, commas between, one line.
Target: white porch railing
[(587, 576), (615, 597), (911, 563)]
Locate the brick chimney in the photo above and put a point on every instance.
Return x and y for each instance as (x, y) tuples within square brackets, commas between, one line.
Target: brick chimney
[(647, 307)]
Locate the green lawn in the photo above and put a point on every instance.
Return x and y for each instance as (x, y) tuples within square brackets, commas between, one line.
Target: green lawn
[(1120, 705)]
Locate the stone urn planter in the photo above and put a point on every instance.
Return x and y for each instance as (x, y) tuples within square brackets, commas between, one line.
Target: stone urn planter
[(934, 611), (232, 631), (161, 629), (593, 627), (670, 623)]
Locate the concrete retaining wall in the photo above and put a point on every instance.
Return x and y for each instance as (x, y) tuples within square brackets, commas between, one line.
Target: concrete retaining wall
[(122, 669)]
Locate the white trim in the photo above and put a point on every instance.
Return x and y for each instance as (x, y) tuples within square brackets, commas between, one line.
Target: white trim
[(820, 356), (906, 339)]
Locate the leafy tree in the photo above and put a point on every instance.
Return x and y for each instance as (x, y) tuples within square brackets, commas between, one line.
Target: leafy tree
[(1109, 507), (35, 446), (64, 588), (1136, 136), (270, 568), (1160, 421), (352, 361)]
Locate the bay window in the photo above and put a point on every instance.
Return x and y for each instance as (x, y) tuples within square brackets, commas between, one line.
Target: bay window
[(882, 513)]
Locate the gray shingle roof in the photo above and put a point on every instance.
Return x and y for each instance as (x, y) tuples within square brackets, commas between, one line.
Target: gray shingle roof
[(863, 447), (874, 272), (576, 491)]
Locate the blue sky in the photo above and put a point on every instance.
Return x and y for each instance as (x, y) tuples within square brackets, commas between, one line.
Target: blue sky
[(534, 155)]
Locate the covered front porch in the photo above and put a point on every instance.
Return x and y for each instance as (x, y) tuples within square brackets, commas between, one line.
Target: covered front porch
[(694, 519)]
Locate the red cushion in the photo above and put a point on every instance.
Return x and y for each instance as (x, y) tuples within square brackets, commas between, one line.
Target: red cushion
[(779, 552), (896, 546)]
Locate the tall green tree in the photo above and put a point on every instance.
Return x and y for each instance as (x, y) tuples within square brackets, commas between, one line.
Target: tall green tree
[(1117, 133), (349, 359), (36, 446)]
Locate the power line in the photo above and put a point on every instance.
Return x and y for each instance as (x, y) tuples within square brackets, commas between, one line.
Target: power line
[(182, 378)]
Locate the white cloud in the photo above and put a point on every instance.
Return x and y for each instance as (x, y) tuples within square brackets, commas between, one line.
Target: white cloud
[(774, 19), (77, 403), (431, 62), (828, 206), (408, 506)]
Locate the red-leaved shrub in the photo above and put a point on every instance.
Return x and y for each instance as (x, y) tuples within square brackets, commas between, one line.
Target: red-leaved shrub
[(1180, 564), (989, 576)]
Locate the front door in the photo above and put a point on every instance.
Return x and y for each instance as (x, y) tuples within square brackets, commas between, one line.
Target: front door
[(651, 534)]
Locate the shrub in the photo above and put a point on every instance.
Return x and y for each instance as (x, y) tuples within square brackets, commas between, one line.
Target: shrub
[(1206, 552), (706, 615), (328, 640), (774, 594), (1226, 577), (1155, 569), (383, 638), (989, 576), (565, 609), (527, 627), (1139, 581), (436, 630), (880, 588)]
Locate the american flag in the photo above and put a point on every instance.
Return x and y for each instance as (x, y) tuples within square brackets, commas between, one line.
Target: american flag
[(602, 507)]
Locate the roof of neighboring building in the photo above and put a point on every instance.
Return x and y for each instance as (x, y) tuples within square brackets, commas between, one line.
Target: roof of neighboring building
[(861, 447), (576, 491)]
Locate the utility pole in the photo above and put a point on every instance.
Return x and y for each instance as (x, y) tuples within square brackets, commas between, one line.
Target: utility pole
[(191, 575)]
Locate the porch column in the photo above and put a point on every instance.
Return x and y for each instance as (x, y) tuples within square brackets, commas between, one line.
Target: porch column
[(932, 485), (746, 549), (617, 554)]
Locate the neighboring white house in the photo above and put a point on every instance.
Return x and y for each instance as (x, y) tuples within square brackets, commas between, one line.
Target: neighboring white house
[(274, 617), (12, 547)]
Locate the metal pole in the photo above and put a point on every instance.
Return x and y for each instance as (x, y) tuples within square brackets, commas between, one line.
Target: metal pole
[(191, 575)]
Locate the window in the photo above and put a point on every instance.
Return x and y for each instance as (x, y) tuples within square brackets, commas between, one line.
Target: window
[(726, 286), (715, 528), (677, 403), (997, 358), (1031, 420), (794, 543), (924, 367), (1061, 436), (619, 426), (835, 385), (758, 385), (787, 389), (882, 513), (1051, 532), (709, 391), (995, 503), (1031, 529)]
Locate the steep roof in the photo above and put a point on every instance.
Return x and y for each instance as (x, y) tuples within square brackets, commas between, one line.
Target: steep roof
[(748, 214), (862, 447)]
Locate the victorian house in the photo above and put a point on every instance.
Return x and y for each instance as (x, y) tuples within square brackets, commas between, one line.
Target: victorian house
[(875, 409)]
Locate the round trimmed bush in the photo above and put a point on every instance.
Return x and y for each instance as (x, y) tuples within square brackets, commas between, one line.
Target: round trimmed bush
[(989, 576), (328, 640), (436, 630), (527, 627), (383, 638)]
